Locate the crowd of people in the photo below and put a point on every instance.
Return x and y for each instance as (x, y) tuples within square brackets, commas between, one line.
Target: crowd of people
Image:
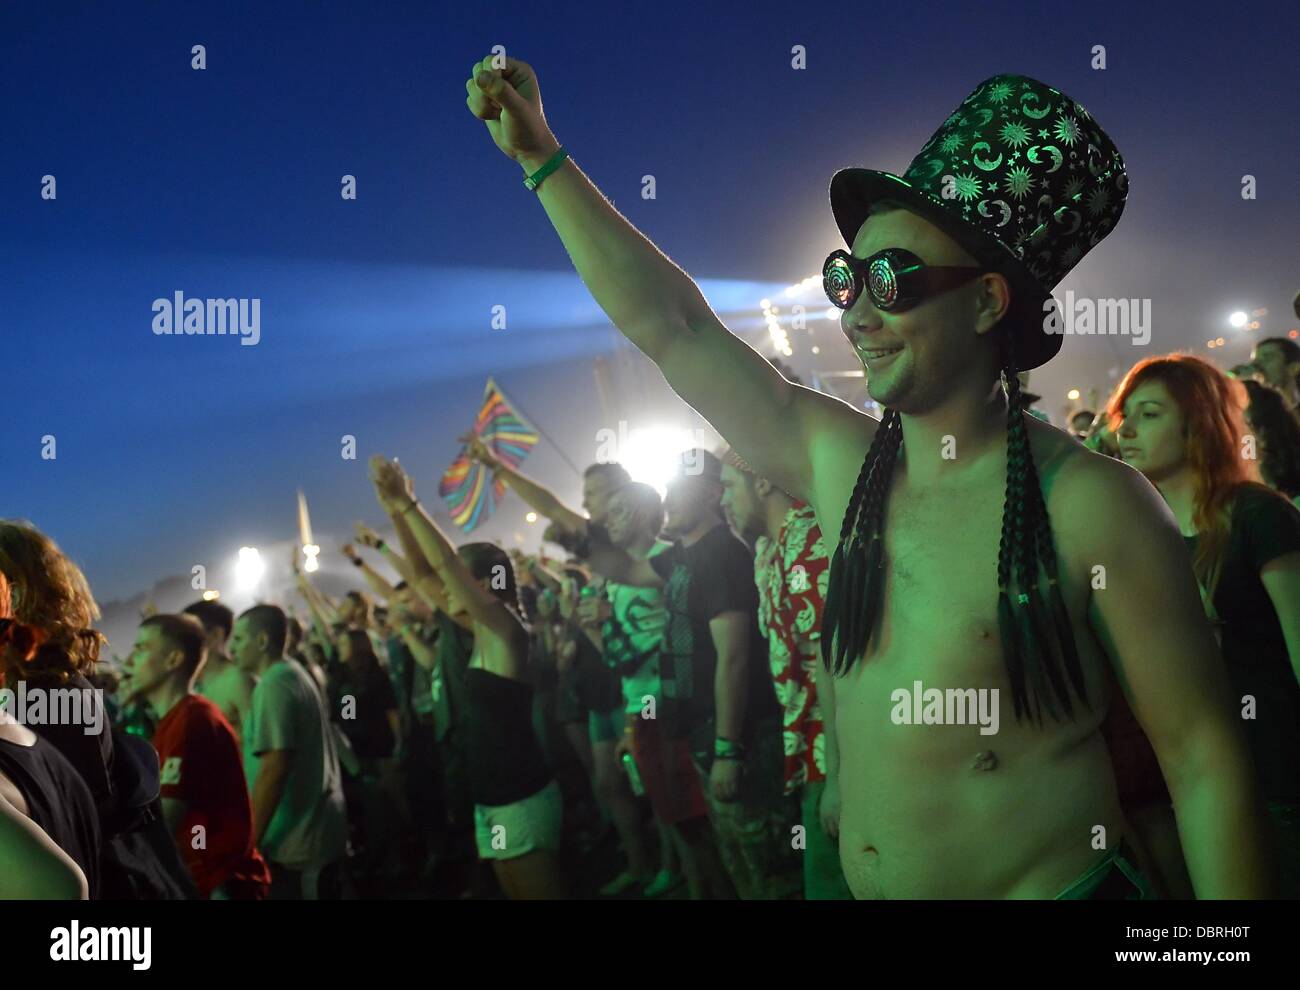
[(642, 713), (707, 695)]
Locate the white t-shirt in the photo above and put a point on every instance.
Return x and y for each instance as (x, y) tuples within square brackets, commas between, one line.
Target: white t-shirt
[(309, 828)]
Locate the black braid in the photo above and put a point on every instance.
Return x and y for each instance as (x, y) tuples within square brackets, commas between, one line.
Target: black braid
[(855, 580), (1027, 635)]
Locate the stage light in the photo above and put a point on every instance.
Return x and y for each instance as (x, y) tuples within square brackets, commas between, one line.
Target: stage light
[(311, 551), (249, 568), (764, 303), (531, 517), (1219, 341), (816, 350), (652, 454), (1238, 319), (211, 595), (311, 566), (1072, 395)]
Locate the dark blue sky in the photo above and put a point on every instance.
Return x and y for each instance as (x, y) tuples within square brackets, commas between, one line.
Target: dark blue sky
[(225, 182)]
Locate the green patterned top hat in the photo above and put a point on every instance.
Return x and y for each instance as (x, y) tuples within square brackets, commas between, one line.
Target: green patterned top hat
[(1022, 177)]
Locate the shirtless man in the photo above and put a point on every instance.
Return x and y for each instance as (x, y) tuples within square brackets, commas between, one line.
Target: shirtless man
[(943, 810), (222, 681)]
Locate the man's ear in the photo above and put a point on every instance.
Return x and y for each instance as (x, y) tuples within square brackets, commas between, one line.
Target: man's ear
[(992, 301), (763, 487), (174, 660)]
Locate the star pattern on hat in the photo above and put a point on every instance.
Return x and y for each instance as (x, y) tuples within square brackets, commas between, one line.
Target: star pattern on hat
[(994, 179), (1024, 168)]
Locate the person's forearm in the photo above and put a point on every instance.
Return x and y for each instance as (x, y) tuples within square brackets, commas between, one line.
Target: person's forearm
[(378, 583), (413, 556), (544, 576), (1221, 822), (730, 680), (267, 793), (319, 613), (642, 292), (432, 541), (425, 657), (539, 498)]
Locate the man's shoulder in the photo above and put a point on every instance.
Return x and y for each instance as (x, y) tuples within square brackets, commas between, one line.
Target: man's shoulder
[(199, 710), (1090, 493)]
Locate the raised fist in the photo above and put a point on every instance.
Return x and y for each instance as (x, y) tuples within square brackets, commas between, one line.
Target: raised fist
[(503, 93)]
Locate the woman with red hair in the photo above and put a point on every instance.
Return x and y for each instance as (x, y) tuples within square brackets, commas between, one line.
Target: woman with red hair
[(1180, 421)]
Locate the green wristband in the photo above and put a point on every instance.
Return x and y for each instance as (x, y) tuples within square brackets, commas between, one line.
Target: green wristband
[(555, 161)]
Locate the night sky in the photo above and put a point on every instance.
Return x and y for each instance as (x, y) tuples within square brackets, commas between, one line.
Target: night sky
[(225, 182)]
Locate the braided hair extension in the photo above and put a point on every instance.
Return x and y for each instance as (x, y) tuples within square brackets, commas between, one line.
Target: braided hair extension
[(857, 564), (1032, 632)]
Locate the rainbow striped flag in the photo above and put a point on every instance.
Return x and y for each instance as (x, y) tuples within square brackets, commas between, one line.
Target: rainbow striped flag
[(467, 487)]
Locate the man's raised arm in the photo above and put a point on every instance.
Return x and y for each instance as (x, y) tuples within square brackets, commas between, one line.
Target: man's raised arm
[(658, 306)]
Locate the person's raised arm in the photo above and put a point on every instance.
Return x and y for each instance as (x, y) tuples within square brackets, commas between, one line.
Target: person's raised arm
[(1151, 621), (396, 491), (542, 499), (379, 584), (784, 431)]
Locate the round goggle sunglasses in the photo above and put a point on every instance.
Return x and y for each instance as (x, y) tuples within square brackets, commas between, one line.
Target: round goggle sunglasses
[(896, 279)]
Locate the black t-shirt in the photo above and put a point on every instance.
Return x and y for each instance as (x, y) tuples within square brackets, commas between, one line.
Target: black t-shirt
[(1265, 526), (368, 729), (58, 800), (702, 581)]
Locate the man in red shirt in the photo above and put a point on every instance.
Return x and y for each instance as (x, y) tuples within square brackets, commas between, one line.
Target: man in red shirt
[(204, 794)]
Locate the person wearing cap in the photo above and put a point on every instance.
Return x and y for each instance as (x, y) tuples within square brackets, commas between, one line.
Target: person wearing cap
[(978, 549)]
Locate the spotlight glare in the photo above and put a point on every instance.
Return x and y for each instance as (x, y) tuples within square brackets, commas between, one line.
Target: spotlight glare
[(1238, 319), (211, 595), (531, 517), (249, 568), (1073, 394)]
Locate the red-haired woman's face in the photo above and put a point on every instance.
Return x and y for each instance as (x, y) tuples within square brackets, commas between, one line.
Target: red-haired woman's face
[(1152, 433)]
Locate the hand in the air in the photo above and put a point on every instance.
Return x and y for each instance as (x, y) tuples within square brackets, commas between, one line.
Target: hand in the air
[(366, 536), (508, 101), (392, 486)]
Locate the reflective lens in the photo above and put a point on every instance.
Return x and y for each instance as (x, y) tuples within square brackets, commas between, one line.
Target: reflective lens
[(840, 281), (882, 282)]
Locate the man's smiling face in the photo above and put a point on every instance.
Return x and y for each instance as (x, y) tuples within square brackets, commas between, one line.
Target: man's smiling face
[(912, 358)]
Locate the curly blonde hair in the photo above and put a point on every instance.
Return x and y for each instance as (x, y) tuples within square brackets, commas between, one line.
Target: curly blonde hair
[(49, 592)]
